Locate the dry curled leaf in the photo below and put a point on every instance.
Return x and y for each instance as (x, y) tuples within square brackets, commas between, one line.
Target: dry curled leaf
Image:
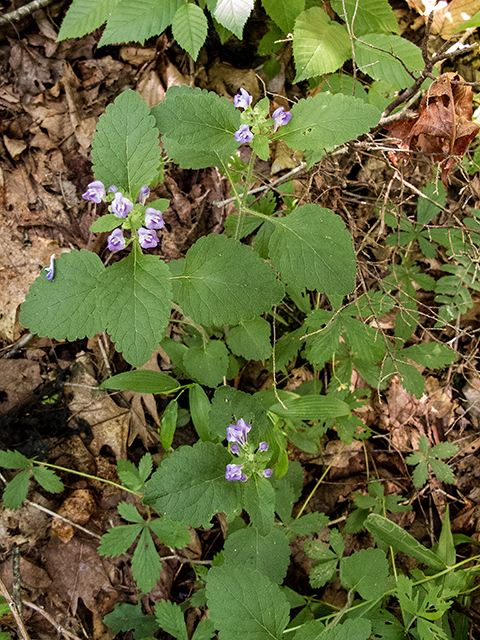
[(444, 126)]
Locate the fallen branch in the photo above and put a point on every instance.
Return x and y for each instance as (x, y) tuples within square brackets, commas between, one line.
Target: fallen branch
[(18, 14)]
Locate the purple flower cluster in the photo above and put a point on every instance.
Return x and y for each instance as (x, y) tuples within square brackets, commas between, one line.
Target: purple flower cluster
[(237, 435), (234, 472), (244, 101), (238, 432)]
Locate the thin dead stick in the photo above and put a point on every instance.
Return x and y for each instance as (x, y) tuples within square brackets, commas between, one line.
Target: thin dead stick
[(56, 515), (58, 627), (18, 14), (14, 610)]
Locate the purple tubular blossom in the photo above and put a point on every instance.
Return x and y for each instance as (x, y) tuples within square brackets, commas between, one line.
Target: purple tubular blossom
[(281, 117), (95, 192), (263, 446), (238, 432), (148, 239), (116, 241), (50, 270), (112, 189), (121, 206), (244, 134), (154, 219), (242, 99), (234, 472), (144, 193), (235, 449), (267, 473)]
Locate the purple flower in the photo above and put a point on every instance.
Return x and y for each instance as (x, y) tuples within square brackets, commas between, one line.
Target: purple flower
[(242, 99), (112, 189), (280, 117), (235, 449), (234, 472), (238, 432), (263, 446), (50, 269), (148, 239), (243, 134), (121, 206), (116, 241), (154, 219), (144, 193), (267, 473), (95, 192)]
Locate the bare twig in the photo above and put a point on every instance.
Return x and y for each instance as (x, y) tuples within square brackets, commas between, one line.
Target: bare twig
[(56, 515), (21, 12), (14, 610), (58, 627)]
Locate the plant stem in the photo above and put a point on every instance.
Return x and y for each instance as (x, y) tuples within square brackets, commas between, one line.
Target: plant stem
[(242, 204), (87, 475)]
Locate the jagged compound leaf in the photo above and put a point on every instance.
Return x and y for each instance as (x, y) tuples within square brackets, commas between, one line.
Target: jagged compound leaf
[(170, 618), (268, 554), (197, 127), (319, 45), (125, 149), (259, 503), (69, 306), (225, 282), (145, 466), (207, 364), (284, 12), (129, 616), (190, 485), (128, 475), (312, 408), (146, 563), (326, 121), (392, 534), (250, 339), (14, 460), (420, 474), (244, 604), (430, 354), (137, 301), (379, 64), (138, 20), (312, 249), (142, 381), (204, 631), (190, 28), (16, 490), (442, 471), (366, 571), (84, 16), (369, 16), (119, 539), (48, 479), (129, 512), (172, 533), (233, 14)]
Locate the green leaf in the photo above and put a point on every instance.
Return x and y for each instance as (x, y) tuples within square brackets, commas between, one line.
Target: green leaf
[(190, 28), (129, 616), (442, 471), (225, 282), (446, 547), (200, 411), (129, 512), (287, 348), (190, 485), (420, 474), (145, 466), (319, 45), (432, 355), (244, 604), (308, 524), (172, 533), (312, 408), (259, 502), (137, 302), (327, 120), (14, 460), (205, 630), (197, 127), (284, 12), (48, 479), (169, 424), (128, 475), (207, 364), (444, 450), (358, 629), (146, 563), (170, 618), (125, 149), (474, 21), (379, 64), (84, 16), (369, 16), (233, 14), (392, 534), (16, 490), (138, 20), (313, 250), (118, 540), (250, 339), (69, 306), (268, 554), (260, 146), (426, 210), (366, 571), (108, 222), (142, 381)]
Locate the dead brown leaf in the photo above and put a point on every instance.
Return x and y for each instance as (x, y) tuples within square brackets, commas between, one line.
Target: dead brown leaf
[(18, 379), (77, 508)]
